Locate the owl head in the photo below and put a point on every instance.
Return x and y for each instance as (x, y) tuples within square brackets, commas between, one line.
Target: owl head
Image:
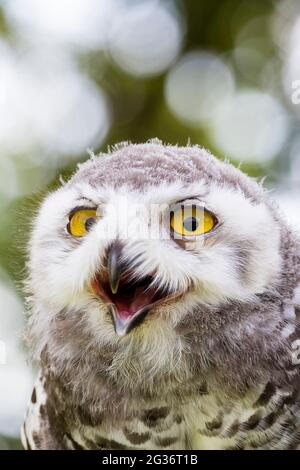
[(142, 239)]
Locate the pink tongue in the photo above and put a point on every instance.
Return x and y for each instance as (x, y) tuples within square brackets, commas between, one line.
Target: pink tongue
[(128, 307)]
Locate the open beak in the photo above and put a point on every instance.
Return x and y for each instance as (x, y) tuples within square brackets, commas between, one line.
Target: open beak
[(129, 298)]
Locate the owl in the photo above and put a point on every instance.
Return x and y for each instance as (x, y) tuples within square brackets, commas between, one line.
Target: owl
[(164, 306)]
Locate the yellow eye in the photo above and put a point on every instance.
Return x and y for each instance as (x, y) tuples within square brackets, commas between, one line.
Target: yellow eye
[(191, 221), (81, 221)]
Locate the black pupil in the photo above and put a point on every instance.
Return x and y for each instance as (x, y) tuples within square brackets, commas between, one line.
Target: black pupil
[(191, 224), (89, 222)]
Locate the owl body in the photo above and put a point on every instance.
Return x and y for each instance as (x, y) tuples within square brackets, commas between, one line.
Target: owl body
[(181, 338)]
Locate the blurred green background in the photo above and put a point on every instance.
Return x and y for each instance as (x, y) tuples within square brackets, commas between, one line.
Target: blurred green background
[(84, 74)]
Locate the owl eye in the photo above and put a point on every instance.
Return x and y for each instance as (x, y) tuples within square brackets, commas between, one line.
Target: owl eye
[(191, 220), (81, 221)]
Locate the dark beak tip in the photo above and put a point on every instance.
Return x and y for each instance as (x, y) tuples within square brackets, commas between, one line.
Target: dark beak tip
[(122, 327), (121, 332)]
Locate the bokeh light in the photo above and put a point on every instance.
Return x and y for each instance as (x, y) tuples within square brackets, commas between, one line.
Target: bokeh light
[(197, 85), (62, 112), (83, 74)]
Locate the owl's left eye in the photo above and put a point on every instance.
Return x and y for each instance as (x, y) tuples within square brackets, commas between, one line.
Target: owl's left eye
[(187, 221), (80, 221)]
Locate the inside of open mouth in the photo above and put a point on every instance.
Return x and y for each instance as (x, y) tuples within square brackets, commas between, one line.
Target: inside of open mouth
[(132, 295)]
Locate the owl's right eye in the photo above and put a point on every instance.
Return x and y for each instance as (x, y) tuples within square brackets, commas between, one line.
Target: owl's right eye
[(81, 221)]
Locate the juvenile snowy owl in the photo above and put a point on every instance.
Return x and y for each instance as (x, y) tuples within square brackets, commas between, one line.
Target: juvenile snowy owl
[(163, 308)]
